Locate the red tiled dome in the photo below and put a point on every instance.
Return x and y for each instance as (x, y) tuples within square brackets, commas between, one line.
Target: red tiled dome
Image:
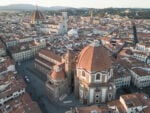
[(94, 57), (37, 15)]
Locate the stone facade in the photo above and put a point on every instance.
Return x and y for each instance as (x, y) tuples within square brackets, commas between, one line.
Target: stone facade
[(57, 84), (92, 81)]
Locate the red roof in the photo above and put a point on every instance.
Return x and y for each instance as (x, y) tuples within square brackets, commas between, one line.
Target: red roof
[(94, 58), (58, 74)]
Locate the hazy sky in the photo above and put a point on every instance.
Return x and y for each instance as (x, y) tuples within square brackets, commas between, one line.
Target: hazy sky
[(83, 3)]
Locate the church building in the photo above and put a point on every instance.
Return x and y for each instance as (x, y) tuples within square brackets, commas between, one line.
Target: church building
[(94, 73)]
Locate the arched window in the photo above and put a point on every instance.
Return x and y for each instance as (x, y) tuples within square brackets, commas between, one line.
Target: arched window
[(111, 72), (81, 93), (98, 77), (109, 96), (83, 73), (110, 87), (97, 97)]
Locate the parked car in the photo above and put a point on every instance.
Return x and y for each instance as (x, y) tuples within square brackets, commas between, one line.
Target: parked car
[(27, 79)]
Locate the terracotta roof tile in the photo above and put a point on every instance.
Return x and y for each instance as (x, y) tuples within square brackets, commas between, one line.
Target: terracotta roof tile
[(94, 58), (58, 74)]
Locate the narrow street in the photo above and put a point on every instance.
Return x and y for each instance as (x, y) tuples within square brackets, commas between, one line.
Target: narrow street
[(36, 88)]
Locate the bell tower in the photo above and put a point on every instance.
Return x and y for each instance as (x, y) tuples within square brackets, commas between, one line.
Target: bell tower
[(135, 34), (91, 16), (68, 69), (65, 21)]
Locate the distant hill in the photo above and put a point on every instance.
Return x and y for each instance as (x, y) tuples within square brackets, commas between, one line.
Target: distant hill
[(29, 7), (137, 13)]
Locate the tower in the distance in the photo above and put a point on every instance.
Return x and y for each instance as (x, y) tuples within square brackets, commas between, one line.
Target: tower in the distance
[(65, 21), (91, 16), (135, 34)]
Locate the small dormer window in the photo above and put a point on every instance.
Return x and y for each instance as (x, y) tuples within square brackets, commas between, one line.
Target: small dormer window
[(98, 77)]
